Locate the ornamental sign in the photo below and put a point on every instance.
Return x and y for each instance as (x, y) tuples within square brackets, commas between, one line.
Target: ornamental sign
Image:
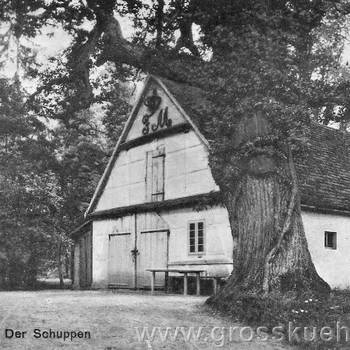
[(163, 121)]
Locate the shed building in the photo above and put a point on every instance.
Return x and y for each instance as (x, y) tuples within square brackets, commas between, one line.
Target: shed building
[(147, 210)]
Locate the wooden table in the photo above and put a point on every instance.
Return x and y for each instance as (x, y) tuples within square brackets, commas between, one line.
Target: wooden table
[(185, 273)]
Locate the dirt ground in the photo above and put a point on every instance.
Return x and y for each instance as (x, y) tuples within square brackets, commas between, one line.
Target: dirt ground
[(112, 319)]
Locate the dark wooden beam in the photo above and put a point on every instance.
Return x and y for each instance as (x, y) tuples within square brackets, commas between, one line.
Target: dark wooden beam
[(183, 127), (196, 201), (330, 210)]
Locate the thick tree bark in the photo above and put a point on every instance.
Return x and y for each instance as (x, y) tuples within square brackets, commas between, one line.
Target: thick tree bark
[(260, 212), (270, 251)]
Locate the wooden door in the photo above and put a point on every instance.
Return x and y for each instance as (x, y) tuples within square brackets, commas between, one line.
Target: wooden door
[(120, 263), (153, 253), (85, 260)]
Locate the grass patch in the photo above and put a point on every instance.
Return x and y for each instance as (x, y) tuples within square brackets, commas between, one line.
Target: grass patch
[(308, 321)]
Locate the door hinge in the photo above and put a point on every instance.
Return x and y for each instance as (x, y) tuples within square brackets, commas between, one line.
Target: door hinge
[(134, 252)]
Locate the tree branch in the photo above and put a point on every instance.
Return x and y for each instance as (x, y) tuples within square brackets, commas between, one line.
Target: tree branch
[(106, 38), (119, 50), (159, 22)]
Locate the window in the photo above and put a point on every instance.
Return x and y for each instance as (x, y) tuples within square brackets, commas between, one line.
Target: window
[(330, 240), (196, 237), (155, 175)]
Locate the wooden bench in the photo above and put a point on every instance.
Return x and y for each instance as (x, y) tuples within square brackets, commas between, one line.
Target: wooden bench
[(184, 272), (216, 282)]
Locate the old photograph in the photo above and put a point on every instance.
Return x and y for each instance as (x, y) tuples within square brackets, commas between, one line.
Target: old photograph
[(174, 174)]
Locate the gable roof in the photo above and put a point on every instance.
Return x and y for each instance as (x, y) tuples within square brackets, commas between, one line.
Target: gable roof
[(173, 98), (325, 173), (324, 176)]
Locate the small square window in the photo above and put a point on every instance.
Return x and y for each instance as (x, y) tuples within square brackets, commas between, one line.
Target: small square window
[(330, 240)]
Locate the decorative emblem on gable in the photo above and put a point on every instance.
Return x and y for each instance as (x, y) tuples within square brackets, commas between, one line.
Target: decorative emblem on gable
[(153, 101), (163, 121)]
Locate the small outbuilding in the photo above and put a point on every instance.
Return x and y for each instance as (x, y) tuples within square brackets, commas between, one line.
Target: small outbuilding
[(148, 212)]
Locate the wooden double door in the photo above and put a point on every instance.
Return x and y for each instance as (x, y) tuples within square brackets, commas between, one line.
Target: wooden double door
[(130, 255)]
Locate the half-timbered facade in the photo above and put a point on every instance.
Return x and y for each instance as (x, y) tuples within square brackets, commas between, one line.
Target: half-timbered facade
[(157, 204)]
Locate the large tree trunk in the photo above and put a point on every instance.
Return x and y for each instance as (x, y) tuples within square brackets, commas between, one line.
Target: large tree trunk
[(270, 248), (261, 265)]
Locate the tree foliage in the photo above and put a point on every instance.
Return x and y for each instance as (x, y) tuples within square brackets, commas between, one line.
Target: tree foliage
[(52, 155), (275, 62), (29, 190)]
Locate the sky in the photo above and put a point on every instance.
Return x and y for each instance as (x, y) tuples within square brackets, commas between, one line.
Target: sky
[(346, 55), (61, 40), (53, 41)]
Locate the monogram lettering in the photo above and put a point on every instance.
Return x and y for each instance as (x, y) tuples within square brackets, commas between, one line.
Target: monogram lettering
[(145, 122), (163, 121)]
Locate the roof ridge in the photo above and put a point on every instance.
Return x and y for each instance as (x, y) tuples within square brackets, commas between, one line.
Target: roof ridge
[(343, 132)]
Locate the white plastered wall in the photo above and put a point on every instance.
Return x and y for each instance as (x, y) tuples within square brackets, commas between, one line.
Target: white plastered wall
[(333, 265), (217, 257), (187, 172)]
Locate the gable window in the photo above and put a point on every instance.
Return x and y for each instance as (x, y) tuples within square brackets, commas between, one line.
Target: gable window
[(330, 240), (155, 175), (196, 237)]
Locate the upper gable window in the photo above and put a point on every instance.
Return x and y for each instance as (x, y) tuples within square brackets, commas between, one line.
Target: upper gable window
[(330, 240), (155, 161)]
